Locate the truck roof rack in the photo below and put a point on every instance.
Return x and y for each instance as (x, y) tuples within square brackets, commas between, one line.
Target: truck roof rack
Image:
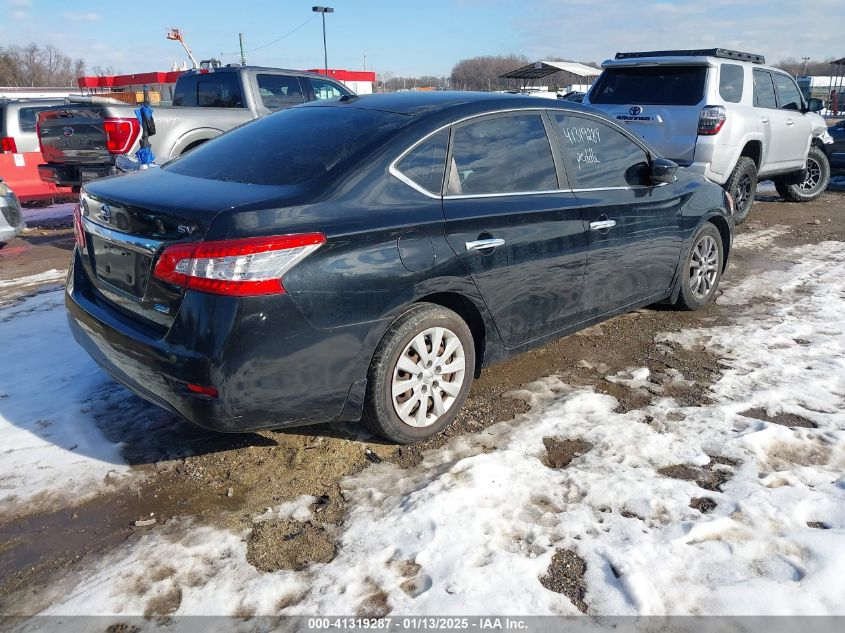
[(698, 52)]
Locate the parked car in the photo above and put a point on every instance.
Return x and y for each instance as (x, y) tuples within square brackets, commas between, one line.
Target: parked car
[(11, 218), (80, 140), (836, 151), (367, 257), (575, 96), (722, 114), (18, 118)]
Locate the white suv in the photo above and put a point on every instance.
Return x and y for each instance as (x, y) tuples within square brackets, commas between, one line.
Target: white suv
[(722, 114)]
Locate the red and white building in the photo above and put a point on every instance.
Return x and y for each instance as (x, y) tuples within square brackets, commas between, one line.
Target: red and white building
[(359, 81)]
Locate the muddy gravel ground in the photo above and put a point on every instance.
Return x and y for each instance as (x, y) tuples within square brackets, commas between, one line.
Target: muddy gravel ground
[(228, 480)]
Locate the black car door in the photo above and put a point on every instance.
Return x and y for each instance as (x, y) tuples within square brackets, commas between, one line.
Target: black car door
[(518, 231), (632, 228)]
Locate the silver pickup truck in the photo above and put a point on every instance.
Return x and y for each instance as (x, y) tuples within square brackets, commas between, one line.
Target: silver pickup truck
[(81, 139)]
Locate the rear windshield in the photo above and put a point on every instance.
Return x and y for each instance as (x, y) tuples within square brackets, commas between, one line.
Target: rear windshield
[(209, 90), (655, 85), (290, 147), (28, 117)]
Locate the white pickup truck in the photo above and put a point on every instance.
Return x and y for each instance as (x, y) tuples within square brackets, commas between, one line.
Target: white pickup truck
[(81, 139), (723, 114)]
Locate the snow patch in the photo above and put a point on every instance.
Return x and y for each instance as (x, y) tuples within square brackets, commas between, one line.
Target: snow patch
[(52, 451), (48, 276), (675, 510)]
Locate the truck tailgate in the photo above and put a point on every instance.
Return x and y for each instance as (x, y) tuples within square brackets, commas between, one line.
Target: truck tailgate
[(73, 135)]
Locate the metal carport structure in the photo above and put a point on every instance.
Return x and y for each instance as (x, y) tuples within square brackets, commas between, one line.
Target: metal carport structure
[(543, 69)]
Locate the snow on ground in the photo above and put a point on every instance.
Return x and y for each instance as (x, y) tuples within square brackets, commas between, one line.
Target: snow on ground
[(474, 527), (760, 239), (51, 448), (19, 283), (62, 211)]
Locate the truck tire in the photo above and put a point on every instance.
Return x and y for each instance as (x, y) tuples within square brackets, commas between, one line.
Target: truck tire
[(818, 177), (742, 185)]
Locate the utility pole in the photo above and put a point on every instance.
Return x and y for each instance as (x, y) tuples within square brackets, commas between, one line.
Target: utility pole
[(243, 57), (322, 11)]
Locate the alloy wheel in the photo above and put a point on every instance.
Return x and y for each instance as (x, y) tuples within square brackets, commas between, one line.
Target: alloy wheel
[(814, 175), (742, 193), (428, 376), (704, 266)]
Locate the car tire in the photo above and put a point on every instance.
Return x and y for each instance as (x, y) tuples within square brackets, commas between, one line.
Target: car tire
[(398, 360), (702, 269), (742, 185), (818, 177)]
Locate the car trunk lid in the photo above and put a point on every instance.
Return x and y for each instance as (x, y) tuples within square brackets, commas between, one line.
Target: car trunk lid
[(129, 220)]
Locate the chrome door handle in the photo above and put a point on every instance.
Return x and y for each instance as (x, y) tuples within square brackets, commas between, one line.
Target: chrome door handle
[(480, 245), (790, 122), (602, 224)]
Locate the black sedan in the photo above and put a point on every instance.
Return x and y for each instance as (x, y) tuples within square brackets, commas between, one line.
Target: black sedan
[(836, 151), (366, 258)]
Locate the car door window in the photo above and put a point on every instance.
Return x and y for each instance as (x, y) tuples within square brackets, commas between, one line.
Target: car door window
[(789, 97), (597, 156), (326, 89), (279, 91), (502, 154), (424, 164), (764, 91)]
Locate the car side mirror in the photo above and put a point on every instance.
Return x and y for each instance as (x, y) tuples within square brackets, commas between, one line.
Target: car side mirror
[(663, 171), (815, 105)]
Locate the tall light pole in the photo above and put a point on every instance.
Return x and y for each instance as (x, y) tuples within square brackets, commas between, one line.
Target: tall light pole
[(805, 60), (323, 11)]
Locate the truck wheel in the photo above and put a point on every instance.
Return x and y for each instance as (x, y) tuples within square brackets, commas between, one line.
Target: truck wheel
[(420, 374), (702, 269), (818, 177), (742, 185)]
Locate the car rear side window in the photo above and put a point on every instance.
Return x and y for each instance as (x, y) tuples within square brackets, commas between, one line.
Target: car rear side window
[(764, 92), (502, 154), (279, 91), (326, 90), (789, 97), (730, 82), (426, 163), (596, 156), (655, 85), (291, 147), (210, 90)]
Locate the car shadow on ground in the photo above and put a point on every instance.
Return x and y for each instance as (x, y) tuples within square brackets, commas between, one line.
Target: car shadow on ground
[(149, 435)]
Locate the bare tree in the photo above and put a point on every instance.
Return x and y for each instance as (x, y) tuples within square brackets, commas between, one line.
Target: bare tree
[(105, 71), (796, 66), (32, 65), (482, 73)]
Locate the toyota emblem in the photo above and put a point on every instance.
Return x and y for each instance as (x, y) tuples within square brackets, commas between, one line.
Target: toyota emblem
[(635, 110), (67, 130)]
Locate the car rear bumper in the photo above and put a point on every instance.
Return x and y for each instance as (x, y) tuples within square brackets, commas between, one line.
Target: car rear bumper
[(270, 367), (73, 175)]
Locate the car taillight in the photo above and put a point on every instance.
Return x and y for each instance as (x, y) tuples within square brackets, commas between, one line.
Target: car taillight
[(78, 231), (120, 134), (240, 268), (711, 120), (7, 144)]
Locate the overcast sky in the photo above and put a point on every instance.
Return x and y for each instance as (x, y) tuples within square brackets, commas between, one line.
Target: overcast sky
[(417, 37)]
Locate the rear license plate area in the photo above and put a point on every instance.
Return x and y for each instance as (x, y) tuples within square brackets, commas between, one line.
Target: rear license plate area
[(122, 268)]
